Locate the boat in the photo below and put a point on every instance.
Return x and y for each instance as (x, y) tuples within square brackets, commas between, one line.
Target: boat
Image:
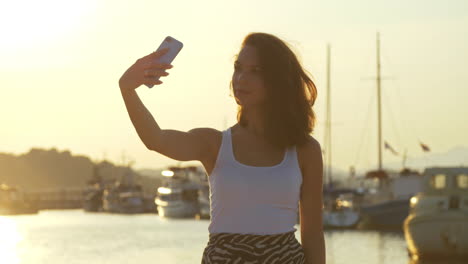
[(387, 204), (437, 226), (338, 206), (14, 202), (339, 210), (93, 193), (92, 198), (125, 196), (204, 201), (123, 199), (178, 195)]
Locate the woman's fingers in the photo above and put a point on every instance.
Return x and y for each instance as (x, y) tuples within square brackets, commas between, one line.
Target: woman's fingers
[(156, 65), (154, 73), (152, 81)]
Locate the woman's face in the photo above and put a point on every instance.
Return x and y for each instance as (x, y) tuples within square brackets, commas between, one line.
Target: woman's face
[(247, 81)]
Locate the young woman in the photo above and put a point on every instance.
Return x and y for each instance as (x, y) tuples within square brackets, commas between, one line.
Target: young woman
[(263, 169)]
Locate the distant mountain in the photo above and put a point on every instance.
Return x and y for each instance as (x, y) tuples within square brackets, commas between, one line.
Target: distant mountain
[(457, 156), (51, 169)]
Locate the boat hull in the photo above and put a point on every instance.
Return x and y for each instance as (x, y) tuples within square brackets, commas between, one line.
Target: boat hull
[(340, 219), (444, 234), (122, 207), (177, 209), (386, 215)]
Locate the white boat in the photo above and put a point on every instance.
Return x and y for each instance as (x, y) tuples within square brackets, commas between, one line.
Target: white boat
[(178, 196), (437, 225)]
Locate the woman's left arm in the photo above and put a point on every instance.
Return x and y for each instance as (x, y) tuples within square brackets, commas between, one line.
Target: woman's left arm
[(311, 204)]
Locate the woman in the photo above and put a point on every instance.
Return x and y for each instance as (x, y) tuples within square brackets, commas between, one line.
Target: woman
[(263, 169)]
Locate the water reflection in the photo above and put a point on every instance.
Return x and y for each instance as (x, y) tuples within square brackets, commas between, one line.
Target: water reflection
[(352, 246), (10, 239), (73, 236)]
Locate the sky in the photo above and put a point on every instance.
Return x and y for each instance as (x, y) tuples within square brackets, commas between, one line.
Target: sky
[(60, 63)]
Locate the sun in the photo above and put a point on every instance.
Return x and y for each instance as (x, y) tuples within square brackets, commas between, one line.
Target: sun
[(31, 23)]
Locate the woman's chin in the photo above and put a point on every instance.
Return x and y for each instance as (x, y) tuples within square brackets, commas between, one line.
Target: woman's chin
[(239, 102)]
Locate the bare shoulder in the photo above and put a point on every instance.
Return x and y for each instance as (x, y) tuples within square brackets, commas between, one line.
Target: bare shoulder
[(212, 139), (310, 154), (207, 132), (209, 135)]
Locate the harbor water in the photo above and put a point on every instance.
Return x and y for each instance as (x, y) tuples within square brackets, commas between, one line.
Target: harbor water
[(78, 237)]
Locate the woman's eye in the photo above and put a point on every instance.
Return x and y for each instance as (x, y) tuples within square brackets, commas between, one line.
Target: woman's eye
[(254, 70)]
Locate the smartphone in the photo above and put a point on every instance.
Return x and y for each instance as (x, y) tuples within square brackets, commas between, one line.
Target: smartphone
[(174, 48)]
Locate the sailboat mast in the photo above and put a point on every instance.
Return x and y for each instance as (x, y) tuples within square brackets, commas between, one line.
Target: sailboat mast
[(328, 147), (379, 104), (404, 159)]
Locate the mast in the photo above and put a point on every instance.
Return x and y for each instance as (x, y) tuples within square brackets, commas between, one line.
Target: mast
[(379, 105), (404, 159), (328, 152)]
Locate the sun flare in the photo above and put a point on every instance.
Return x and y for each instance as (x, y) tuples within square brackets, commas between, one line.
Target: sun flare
[(9, 241), (29, 23)]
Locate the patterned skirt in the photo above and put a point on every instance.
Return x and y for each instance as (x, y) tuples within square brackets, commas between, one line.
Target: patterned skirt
[(256, 249)]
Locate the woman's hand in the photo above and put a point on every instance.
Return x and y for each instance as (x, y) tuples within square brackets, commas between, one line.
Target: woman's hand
[(144, 71)]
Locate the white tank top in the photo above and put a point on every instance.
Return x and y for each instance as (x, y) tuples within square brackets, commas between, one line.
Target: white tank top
[(253, 200)]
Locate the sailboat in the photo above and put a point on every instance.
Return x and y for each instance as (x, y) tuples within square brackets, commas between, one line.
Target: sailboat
[(339, 210), (387, 206)]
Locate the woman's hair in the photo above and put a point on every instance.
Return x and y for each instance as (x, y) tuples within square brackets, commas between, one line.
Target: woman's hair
[(289, 117)]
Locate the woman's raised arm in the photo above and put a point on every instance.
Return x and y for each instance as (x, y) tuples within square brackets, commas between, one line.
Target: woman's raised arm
[(192, 145)]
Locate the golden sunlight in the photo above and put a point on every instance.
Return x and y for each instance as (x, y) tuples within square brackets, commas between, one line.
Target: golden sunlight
[(29, 23), (9, 240)]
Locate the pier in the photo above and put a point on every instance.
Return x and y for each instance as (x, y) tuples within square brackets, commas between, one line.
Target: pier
[(70, 198)]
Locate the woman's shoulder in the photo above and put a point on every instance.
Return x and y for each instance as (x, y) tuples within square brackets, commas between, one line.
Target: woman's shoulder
[(208, 134), (309, 151), (310, 147)]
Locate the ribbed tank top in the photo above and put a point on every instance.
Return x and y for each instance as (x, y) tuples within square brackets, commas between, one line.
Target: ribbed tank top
[(253, 200)]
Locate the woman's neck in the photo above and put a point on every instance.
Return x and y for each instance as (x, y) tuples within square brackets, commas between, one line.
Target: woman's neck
[(255, 122)]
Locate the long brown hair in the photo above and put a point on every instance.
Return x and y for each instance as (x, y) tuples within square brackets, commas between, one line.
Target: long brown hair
[(289, 117)]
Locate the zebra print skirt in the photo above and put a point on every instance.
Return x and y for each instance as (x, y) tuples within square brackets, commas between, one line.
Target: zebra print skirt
[(255, 249)]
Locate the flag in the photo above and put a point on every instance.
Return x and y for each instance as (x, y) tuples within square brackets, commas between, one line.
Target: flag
[(387, 146), (424, 147)]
